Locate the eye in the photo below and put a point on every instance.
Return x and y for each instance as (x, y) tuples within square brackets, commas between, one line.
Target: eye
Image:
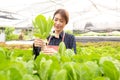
[(55, 19), (61, 21)]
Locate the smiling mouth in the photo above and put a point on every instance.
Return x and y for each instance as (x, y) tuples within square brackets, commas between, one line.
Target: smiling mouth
[(57, 26)]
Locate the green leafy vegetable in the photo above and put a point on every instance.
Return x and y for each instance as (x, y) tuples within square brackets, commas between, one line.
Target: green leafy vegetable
[(62, 48), (42, 26)]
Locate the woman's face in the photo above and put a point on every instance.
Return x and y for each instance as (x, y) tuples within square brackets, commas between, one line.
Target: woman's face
[(59, 22)]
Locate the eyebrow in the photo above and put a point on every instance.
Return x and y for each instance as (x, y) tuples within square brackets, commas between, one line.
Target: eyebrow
[(58, 18)]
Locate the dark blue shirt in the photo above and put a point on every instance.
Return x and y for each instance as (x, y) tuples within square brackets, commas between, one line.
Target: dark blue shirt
[(69, 41)]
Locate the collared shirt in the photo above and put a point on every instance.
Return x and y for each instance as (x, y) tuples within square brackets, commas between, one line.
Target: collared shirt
[(69, 41)]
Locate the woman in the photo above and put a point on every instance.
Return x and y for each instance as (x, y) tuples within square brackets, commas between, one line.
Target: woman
[(60, 19)]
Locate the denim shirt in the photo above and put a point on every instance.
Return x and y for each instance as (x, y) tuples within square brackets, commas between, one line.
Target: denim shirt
[(69, 41)]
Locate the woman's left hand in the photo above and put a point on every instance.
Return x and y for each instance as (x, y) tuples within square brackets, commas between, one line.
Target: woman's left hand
[(49, 51)]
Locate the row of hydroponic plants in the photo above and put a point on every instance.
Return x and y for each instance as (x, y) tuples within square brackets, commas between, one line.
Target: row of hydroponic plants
[(90, 63)]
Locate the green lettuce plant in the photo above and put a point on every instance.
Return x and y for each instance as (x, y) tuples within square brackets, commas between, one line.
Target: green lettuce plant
[(42, 26)]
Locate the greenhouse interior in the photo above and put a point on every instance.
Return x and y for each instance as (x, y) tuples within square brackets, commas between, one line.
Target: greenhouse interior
[(38, 44)]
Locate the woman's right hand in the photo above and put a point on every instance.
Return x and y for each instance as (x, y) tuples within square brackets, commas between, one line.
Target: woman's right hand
[(38, 42)]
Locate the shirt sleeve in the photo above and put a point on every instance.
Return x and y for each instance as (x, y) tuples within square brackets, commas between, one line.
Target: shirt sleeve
[(36, 50), (73, 44), (70, 42)]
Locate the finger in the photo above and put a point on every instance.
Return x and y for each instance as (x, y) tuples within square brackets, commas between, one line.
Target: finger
[(38, 42)]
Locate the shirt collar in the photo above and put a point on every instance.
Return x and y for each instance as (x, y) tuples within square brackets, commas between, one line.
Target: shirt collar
[(61, 34)]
